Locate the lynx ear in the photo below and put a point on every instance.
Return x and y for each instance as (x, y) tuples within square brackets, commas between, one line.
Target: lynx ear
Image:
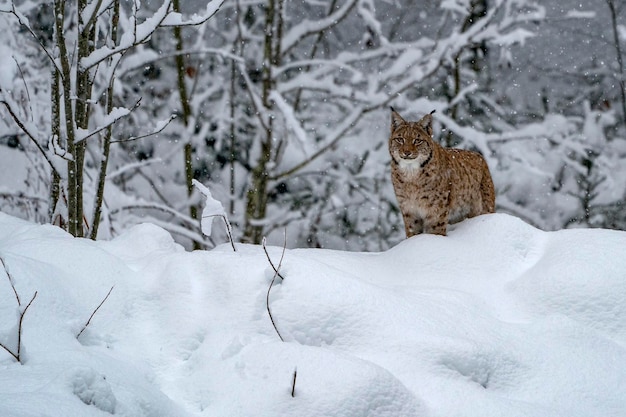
[(426, 123), (396, 119)]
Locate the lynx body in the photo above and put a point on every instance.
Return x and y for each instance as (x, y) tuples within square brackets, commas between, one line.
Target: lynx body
[(435, 186)]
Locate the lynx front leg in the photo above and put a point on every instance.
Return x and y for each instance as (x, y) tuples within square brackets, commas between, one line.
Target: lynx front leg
[(436, 223), (413, 225)]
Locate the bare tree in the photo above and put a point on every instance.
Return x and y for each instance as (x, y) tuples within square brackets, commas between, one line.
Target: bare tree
[(314, 85), (86, 53)]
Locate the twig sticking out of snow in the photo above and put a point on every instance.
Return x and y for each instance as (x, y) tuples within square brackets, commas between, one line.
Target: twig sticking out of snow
[(293, 383), (6, 270), (276, 269), (16, 355), (267, 299), (276, 274), (94, 312), (19, 327), (229, 230)]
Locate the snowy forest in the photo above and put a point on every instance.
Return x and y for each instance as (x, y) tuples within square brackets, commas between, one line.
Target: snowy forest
[(119, 112)]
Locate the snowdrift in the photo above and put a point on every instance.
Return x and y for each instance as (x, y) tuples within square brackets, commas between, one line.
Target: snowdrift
[(496, 319)]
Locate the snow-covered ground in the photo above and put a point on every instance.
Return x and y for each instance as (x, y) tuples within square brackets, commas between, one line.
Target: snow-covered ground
[(496, 319)]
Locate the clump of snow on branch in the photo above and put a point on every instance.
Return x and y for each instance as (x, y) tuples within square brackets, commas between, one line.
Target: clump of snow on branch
[(290, 117), (176, 19), (212, 209), (116, 114)]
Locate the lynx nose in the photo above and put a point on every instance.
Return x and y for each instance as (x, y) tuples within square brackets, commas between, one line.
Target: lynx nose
[(407, 154)]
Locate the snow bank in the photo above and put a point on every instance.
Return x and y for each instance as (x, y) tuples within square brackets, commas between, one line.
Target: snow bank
[(498, 318)]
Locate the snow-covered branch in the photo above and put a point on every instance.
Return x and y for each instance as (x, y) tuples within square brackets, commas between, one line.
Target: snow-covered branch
[(289, 115), (331, 140), (158, 128), (109, 120), (307, 27), (176, 19), (163, 17)]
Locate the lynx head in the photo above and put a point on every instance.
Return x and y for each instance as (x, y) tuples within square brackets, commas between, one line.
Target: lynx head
[(410, 143)]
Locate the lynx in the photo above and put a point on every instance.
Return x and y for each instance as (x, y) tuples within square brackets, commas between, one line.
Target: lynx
[(435, 186)]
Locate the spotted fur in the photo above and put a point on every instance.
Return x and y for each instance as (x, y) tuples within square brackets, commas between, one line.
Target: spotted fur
[(435, 186)]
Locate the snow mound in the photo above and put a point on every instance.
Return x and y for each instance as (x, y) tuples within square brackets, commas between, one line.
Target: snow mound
[(93, 389), (498, 318)]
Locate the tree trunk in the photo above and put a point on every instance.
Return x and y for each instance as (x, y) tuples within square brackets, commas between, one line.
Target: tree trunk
[(186, 110), (55, 121), (256, 196), (106, 141), (74, 214)]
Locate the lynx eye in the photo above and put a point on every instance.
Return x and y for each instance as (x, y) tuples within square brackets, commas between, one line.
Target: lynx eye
[(399, 140), (418, 141)]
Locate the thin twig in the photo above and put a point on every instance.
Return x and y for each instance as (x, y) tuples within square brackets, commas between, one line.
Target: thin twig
[(19, 328), (276, 270), (25, 23), (17, 297), (154, 132), (19, 67), (28, 133), (293, 383), (276, 274), (10, 353), (19, 331), (18, 302), (94, 312), (229, 229)]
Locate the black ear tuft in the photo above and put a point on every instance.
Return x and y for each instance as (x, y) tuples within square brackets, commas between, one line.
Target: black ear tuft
[(396, 119), (426, 123), (433, 111)]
